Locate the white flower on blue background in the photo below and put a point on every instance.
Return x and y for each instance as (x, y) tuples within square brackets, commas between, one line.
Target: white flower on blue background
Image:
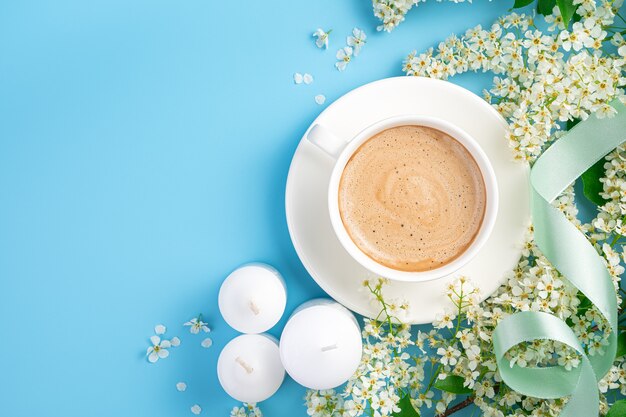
[(196, 324), (321, 36), (158, 350), (356, 40), (344, 55)]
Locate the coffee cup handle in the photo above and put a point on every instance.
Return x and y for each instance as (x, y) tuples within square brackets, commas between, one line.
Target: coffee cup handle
[(326, 140)]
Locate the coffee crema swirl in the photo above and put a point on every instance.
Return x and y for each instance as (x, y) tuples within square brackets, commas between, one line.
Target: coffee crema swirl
[(412, 198)]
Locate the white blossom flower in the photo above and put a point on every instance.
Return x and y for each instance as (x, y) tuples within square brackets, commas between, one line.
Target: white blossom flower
[(356, 40), (196, 324), (321, 38), (247, 410), (158, 350), (344, 55)]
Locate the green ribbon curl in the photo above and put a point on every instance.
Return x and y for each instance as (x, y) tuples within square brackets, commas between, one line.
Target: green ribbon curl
[(576, 259)]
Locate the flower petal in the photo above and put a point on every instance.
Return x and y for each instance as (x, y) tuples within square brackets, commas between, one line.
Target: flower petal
[(207, 343), (165, 344), (181, 386), (155, 340), (307, 78), (196, 409), (175, 341), (163, 353), (153, 357), (297, 78), (320, 99), (159, 329)]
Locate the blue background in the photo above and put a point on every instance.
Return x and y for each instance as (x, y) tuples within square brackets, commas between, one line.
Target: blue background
[(144, 148)]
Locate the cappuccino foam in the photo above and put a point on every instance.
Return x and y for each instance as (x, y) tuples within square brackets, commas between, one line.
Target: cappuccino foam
[(412, 198)]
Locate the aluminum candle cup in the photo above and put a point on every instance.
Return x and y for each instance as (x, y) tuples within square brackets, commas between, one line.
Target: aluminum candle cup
[(321, 344), (253, 298), (249, 368)]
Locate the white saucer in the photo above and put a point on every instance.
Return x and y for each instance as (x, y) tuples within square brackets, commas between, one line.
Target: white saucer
[(307, 186)]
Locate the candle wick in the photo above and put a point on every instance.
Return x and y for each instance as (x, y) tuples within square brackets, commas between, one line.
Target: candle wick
[(329, 347), (244, 365), (254, 308)]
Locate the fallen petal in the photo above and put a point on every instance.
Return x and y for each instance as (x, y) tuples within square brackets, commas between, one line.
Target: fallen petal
[(159, 329), (181, 386), (196, 409), (175, 341), (297, 78), (307, 78), (207, 343), (320, 99)]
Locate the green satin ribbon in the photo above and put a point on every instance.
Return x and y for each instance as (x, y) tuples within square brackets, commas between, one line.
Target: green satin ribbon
[(575, 258)]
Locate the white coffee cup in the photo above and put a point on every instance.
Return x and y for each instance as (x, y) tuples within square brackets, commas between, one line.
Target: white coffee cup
[(341, 150)]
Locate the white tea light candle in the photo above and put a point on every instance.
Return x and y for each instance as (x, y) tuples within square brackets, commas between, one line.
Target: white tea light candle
[(321, 345), (252, 298), (249, 368)]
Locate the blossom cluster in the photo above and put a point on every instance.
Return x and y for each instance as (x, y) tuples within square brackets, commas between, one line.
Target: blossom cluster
[(387, 371), (246, 410), (391, 12), (611, 219), (543, 78)]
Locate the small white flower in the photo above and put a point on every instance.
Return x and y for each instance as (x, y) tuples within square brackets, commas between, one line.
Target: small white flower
[(307, 78), (320, 99), (181, 386), (196, 409), (356, 40), (344, 55), (158, 350), (160, 329), (175, 341), (207, 343), (196, 324), (321, 36), (297, 78)]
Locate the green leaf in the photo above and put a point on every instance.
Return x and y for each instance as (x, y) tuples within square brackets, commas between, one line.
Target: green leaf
[(592, 187), (585, 304), (621, 345), (453, 384), (522, 3), (406, 408), (618, 409), (567, 9), (545, 7)]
